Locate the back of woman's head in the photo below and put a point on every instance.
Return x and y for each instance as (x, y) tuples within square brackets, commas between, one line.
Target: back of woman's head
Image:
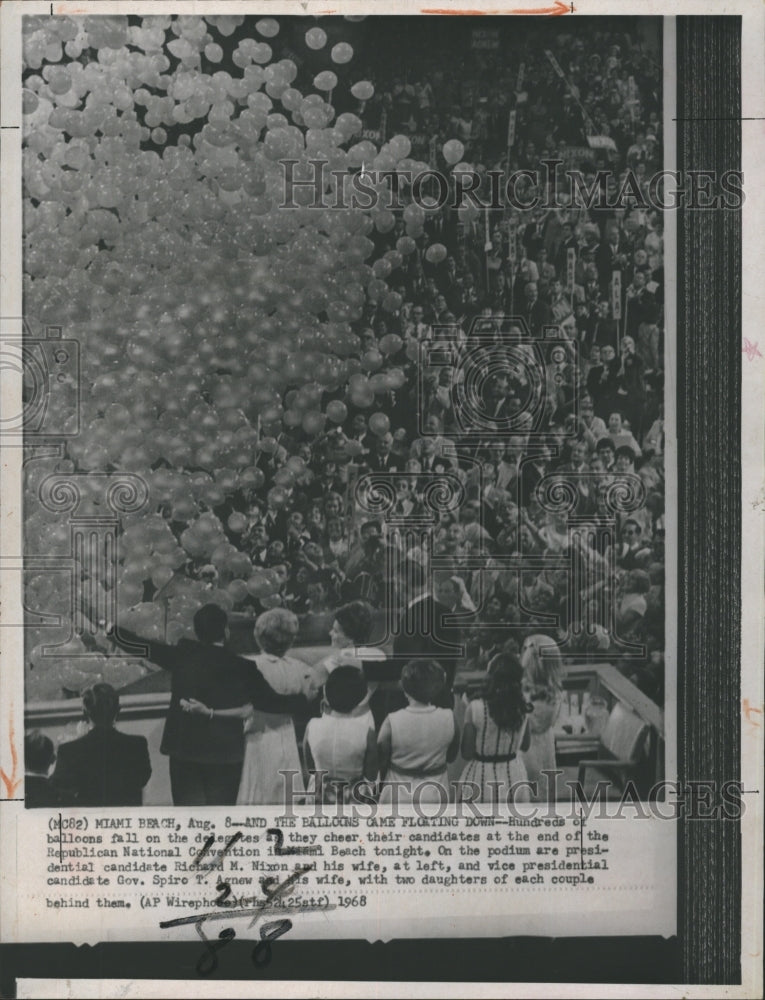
[(355, 619), (345, 688), (504, 692), (541, 662), (275, 630), (423, 680)]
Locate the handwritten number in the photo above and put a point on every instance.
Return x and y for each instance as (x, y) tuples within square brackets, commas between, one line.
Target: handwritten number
[(208, 963), (262, 952), (276, 835), (205, 848), (225, 891)]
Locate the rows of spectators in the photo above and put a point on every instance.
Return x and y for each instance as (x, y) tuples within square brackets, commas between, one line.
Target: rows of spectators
[(602, 412)]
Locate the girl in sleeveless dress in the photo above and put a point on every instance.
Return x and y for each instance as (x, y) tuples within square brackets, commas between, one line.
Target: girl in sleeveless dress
[(340, 748), (493, 735), (543, 688), (416, 743)]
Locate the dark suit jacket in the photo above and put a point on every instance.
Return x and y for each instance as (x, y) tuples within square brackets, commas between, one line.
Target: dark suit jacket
[(423, 635), (103, 768), (221, 679), (41, 793)]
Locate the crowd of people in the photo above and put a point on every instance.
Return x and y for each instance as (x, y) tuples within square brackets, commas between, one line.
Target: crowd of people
[(556, 315), (602, 409)]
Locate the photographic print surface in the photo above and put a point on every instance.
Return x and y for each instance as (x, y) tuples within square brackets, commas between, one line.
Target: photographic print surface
[(344, 347)]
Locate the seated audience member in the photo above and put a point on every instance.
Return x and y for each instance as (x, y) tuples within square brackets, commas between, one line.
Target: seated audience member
[(39, 755), (105, 767), (340, 748)]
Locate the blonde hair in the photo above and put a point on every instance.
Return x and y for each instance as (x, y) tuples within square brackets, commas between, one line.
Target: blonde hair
[(542, 663), (275, 630)]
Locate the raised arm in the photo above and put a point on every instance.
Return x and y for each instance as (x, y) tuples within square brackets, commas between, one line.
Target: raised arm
[(159, 653)]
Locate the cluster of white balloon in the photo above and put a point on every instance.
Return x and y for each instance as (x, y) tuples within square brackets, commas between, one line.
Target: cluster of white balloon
[(207, 317)]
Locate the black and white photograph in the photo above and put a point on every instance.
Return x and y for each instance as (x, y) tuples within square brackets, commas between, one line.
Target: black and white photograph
[(367, 329), (382, 540)]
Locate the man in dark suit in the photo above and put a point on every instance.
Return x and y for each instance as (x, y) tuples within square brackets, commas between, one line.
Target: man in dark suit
[(381, 457), (421, 632), (206, 754), (39, 754), (105, 767)]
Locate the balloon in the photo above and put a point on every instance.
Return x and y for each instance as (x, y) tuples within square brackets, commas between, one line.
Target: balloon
[(272, 601), (391, 343), (341, 53), (267, 26), (277, 497), (252, 478), (336, 411), (379, 424), (259, 585), (161, 576), (313, 422), (238, 591), (315, 38), (435, 253), (371, 360), (453, 151), (237, 522), (363, 90), (326, 80)]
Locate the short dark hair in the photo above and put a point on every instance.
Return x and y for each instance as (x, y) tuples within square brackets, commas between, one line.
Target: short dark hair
[(355, 619), (624, 451), (423, 680), (210, 623), (605, 444), (39, 752), (632, 521), (101, 703), (346, 687)]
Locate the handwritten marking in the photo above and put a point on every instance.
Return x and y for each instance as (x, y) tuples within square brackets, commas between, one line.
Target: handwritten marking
[(277, 835), (60, 841), (750, 710), (219, 859), (752, 350), (581, 838), (212, 948), (205, 848), (245, 911), (11, 782)]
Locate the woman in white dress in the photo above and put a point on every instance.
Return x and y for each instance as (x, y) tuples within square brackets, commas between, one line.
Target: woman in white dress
[(543, 688), (493, 736), (270, 741), (417, 742)]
